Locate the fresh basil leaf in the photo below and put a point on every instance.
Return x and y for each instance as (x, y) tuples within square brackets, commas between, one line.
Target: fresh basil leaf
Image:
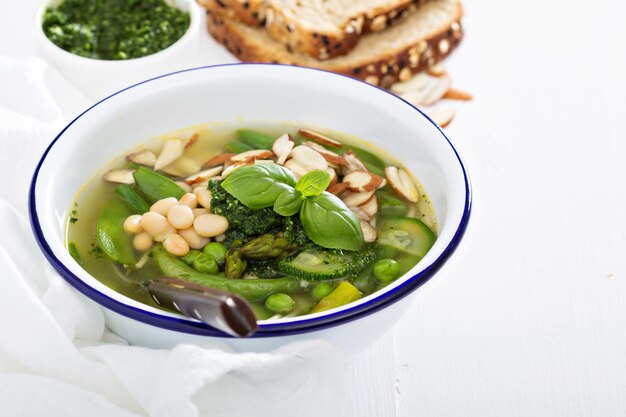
[(313, 183), (258, 186), (288, 203), (330, 223)]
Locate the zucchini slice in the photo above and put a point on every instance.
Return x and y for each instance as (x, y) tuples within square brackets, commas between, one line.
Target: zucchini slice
[(314, 264), (406, 234)]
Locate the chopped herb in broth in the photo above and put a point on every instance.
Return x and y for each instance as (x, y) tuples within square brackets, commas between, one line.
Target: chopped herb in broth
[(295, 221)]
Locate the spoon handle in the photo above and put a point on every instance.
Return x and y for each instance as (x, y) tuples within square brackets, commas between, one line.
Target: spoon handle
[(223, 310)]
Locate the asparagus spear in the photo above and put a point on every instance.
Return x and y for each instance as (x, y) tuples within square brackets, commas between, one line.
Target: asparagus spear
[(267, 246), (235, 264)]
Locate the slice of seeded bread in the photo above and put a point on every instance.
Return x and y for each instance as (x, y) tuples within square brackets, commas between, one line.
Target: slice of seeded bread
[(382, 58), (320, 28)]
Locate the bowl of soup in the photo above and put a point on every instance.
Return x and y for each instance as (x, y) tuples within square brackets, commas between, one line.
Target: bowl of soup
[(322, 202)]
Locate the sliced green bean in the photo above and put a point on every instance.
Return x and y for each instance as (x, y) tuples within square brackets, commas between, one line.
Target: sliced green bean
[(251, 289), (110, 234), (156, 186), (255, 139), (132, 199), (344, 293), (238, 147)]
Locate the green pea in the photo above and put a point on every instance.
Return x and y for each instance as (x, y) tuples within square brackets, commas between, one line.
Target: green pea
[(217, 251), (280, 303), (190, 257), (205, 263), (386, 270), (321, 290)]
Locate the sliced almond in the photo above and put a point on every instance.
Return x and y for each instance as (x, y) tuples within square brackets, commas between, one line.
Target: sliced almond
[(333, 176), (252, 155), (171, 151), (297, 169), (264, 161), (319, 138), (203, 175), (415, 97), (308, 158), (338, 188), (282, 148), (369, 232), (330, 156), (120, 176), (193, 139), (182, 167), (417, 83), (184, 186), (402, 183), (361, 214), (454, 94), (370, 206), (439, 88), (354, 163), (220, 159), (145, 158), (352, 199), (437, 70), (232, 168), (442, 116), (363, 181)]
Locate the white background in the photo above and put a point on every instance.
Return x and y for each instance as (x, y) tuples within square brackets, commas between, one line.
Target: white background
[(529, 316)]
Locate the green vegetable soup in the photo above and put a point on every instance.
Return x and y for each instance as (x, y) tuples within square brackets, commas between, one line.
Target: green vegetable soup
[(293, 220)]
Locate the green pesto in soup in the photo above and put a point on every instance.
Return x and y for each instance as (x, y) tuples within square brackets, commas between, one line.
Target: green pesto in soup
[(114, 29), (293, 220)]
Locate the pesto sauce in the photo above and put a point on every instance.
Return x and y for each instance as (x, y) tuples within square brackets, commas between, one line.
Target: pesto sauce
[(114, 29)]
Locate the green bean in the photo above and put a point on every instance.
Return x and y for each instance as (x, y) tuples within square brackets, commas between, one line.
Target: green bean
[(132, 199), (390, 205), (344, 293), (252, 289), (189, 258), (386, 270), (280, 303), (156, 186), (238, 147), (255, 139), (217, 251), (110, 234), (205, 263), (321, 290)]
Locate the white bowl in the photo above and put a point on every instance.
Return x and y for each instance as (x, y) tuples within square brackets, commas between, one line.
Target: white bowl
[(249, 92), (98, 78)]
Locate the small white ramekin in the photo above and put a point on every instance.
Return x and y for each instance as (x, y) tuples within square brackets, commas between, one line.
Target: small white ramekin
[(98, 78)]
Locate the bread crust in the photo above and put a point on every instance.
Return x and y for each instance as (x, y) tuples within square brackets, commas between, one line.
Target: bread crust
[(321, 45), (389, 67)]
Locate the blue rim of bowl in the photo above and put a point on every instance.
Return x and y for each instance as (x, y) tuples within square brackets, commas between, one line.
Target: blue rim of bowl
[(188, 326)]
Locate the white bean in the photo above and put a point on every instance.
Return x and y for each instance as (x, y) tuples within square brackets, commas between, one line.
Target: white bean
[(142, 242), (132, 224), (204, 197), (199, 212), (189, 200), (156, 225), (179, 216), (209, 225), (162, 206), (176, 245), (195, 240)]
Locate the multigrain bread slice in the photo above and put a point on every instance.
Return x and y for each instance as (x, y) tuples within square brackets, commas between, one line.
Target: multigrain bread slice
[(382, 58), (320, 28)]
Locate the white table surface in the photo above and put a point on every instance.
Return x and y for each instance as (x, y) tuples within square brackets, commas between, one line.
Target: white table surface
[(529, 316)]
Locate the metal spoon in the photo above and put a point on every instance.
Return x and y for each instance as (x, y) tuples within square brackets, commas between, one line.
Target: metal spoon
[(223, 310)]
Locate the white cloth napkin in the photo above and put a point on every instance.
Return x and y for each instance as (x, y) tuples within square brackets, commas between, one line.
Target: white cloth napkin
[(57, 357)]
